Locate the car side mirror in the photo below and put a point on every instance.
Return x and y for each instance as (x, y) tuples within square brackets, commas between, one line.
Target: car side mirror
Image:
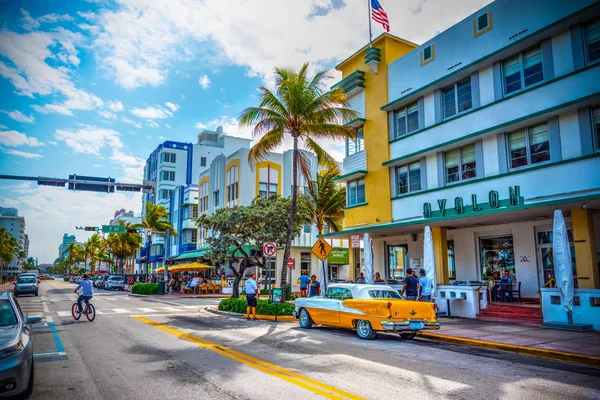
[(32, 319)]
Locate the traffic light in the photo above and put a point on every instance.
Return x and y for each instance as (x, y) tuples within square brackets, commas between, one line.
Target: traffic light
[(92, 228), (134, 230)]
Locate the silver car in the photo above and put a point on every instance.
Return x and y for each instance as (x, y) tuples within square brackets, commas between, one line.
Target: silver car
[(26, 285), (114, 282), (16, 348)]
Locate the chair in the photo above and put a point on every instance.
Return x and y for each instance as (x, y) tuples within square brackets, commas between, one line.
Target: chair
[(211, 288), (518, 291), (506, 292), (204, 288), (217, 288)]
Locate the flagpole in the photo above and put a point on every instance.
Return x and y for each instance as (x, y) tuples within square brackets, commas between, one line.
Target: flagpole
[(370, 34)]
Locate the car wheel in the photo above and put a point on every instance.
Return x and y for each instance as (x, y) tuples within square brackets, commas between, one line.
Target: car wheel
[(27, 393), (364, 330), (16, 295), (408, 335), (306, 321)]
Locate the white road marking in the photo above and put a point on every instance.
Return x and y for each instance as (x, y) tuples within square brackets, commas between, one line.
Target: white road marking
[(63, 313), (121, 311), (46, 309), (49, 319), (165, 315), (169, 308), (146, 309), (100, 312)]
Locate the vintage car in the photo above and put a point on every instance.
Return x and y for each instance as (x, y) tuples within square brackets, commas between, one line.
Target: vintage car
[(368, 309)]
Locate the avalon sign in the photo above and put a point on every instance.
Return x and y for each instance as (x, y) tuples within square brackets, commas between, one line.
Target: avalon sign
[(460, 207)]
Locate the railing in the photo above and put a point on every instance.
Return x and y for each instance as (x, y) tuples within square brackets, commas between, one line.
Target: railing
[(478, 291), (549, 283)]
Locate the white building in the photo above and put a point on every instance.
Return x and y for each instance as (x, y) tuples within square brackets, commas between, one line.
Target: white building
[(15, 226)]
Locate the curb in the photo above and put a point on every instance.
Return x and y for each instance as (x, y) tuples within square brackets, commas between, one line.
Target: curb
[(280, 318), (554, 355)]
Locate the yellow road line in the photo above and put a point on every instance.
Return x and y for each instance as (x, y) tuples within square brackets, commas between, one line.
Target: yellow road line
[(302, 381)]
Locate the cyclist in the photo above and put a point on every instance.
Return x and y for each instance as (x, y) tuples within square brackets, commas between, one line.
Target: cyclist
[(87, 291)]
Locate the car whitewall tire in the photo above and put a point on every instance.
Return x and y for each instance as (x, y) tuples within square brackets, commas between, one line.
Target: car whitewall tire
[(364, 330), (306, 321)]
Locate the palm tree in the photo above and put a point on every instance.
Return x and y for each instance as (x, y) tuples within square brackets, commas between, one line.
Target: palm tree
[(326, 202), (303, 109), (92, 248), (9, 247), (156, 218), (124, 245), (73, 254)]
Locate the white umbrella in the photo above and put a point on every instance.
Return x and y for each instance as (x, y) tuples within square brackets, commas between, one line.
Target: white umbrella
[(368, 258), (563, 266), (429, 257), (323, 273)]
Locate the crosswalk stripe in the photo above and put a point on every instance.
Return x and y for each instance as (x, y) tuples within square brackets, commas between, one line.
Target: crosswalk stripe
[(169, 308), (63, 313), (121, 311), (146, 309)]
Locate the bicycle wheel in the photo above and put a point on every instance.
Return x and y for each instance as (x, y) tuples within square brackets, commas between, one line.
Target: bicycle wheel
[(91, 312), (76, 314)]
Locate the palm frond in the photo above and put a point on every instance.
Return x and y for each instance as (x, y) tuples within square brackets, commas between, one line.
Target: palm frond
[(261, 150), (328, 131), (323, 158)]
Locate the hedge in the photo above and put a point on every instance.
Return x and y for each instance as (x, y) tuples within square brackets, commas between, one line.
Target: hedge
[(264, 307), (262, 291), (145, 288)]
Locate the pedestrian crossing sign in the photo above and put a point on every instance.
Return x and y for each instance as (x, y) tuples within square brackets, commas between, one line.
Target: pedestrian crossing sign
[(322, 249)]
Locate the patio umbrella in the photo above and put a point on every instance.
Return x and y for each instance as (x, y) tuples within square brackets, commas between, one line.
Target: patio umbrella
[(563, 266), (429, 257), (368, 258), (324, 277)]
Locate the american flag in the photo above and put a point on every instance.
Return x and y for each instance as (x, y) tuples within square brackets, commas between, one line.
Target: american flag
[(379, 15)]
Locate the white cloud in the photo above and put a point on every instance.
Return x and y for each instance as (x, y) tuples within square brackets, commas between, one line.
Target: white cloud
[(54, 18), (53, 143), (28, 22), (130, 122), (230, 126), (115, 106), (89, 139), (152, 124), (201, 126), (64, 208), (155, 112), (162, 137), (204, 81), (173, 107), (23, 154), (14, 139), (107, 114), (97, 165), (20, 117), (167, 126), (87, 15)]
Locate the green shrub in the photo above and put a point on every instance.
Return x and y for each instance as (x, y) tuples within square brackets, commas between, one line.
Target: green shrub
[(145, 288), (264, 307)]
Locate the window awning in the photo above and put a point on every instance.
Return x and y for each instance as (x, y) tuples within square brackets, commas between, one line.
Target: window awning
[(189, 255), (356, 123), (351, 176)]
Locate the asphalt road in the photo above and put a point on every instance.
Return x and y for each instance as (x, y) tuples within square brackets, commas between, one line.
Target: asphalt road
[(142, 349)]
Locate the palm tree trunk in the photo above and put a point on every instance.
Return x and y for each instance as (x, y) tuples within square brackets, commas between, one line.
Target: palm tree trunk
[(290, 229)]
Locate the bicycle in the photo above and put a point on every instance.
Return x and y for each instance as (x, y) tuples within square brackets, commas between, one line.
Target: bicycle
[(88, 310)]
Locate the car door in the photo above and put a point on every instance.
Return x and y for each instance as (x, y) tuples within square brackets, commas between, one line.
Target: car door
[(329, 307)]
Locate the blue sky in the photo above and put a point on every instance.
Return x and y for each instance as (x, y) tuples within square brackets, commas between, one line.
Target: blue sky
[(92, 87)]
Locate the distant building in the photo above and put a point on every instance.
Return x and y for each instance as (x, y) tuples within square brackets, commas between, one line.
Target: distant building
[(15, 226), (26, 245), (126, 216), (64, 245)]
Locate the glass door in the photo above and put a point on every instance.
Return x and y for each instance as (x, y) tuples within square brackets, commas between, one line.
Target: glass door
[(545, 260), (497, 255), (397, 261)]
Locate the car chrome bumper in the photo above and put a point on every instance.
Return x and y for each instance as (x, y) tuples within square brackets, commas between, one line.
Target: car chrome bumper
[(410, 325)]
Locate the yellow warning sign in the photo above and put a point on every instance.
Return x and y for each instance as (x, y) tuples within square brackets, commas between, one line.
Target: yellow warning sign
[(322, 249)]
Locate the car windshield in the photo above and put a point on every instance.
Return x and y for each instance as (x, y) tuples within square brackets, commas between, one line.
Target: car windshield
[(7, 314), (116, 278), (384, 294), (26, 280)]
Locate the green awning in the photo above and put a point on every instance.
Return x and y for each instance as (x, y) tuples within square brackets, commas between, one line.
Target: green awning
[(192, 254), (247, 248)]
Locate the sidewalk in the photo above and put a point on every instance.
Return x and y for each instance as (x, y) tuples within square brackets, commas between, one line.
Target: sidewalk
[(578, 347), (184, 296), (6, 287)]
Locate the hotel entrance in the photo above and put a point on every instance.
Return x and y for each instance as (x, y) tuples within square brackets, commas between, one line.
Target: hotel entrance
[(397, 261), (497, 256), (544, 252)]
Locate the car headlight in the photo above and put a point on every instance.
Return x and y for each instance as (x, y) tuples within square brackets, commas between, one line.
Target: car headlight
[(12, 350)]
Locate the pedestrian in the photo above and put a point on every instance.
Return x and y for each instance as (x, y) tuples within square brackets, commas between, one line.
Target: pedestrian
[(411, 286), (11, 279), (251, 294), (314, 288), (304, 281), (378, 277), (425, 287), (361, 278)]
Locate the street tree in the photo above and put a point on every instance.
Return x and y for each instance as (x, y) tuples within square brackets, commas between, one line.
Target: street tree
[(232, 229), (29, 264), (124, 245), (9, 247), (156, 218), (326, 201), (304, 110), (71, 255), (92, 247)]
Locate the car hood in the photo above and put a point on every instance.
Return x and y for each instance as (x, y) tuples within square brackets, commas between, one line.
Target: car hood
[(8, 334)]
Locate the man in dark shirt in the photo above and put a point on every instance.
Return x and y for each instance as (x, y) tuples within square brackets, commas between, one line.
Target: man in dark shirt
[(314, 288), (411, 286)]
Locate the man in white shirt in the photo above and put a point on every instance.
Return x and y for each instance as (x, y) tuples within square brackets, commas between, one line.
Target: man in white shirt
[(251, 295)]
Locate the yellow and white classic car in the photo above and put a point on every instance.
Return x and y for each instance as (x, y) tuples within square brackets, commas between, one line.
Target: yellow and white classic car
[(368, 309)]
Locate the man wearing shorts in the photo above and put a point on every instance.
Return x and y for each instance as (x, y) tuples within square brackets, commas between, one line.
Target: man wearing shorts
[(304, 280), (251, 294)]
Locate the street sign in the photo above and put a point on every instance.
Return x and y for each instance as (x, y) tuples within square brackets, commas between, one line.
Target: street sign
[(269, 249), (291, 263), (321, 249), (277, 296), (355, 239), (91, 184), (148, 232), (113, 228)]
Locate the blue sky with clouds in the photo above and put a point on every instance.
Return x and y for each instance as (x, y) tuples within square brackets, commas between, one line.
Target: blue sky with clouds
[(92, 87)]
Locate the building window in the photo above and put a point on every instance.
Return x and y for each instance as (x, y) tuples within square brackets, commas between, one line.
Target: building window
[(457, 98), (305, 260), (232, 192), (169, 157), (451, 264), (216, 198), (203, 194), (408, 178), (356, 192), (167, 175), (194, 236), (427, 54), (529, 146), (194, 211), (307, 228), (523, 70), (596, 123), (232, 185), (592, 41), (203, 161), (165, 194), (358, 145), (262, 190), (482, 24), (460, 164), (407, 120)]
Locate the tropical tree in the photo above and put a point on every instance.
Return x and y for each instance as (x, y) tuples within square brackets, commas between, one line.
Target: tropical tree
[(9, 247), (326, 201), (306, 111), (124, 245), (29, 264), (72, 254), (156, 218), (92, 249)]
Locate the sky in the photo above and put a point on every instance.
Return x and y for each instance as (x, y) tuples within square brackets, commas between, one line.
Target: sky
[(92, 87)]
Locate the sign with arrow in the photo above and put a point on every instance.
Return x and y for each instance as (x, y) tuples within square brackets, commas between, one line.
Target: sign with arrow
[(269, 249)]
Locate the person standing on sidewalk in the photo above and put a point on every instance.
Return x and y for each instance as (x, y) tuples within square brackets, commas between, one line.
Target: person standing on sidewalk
[(411, 286), (425, 287), (303, 280), (314, 289), (251, 294)]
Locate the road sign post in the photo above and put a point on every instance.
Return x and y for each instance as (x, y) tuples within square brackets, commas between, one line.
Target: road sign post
[(291, 264), (355, 244), (113, 228), (322, 249), (269, 250)]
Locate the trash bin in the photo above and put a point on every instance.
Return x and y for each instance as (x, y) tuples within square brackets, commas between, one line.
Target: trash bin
[(161, 287)]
